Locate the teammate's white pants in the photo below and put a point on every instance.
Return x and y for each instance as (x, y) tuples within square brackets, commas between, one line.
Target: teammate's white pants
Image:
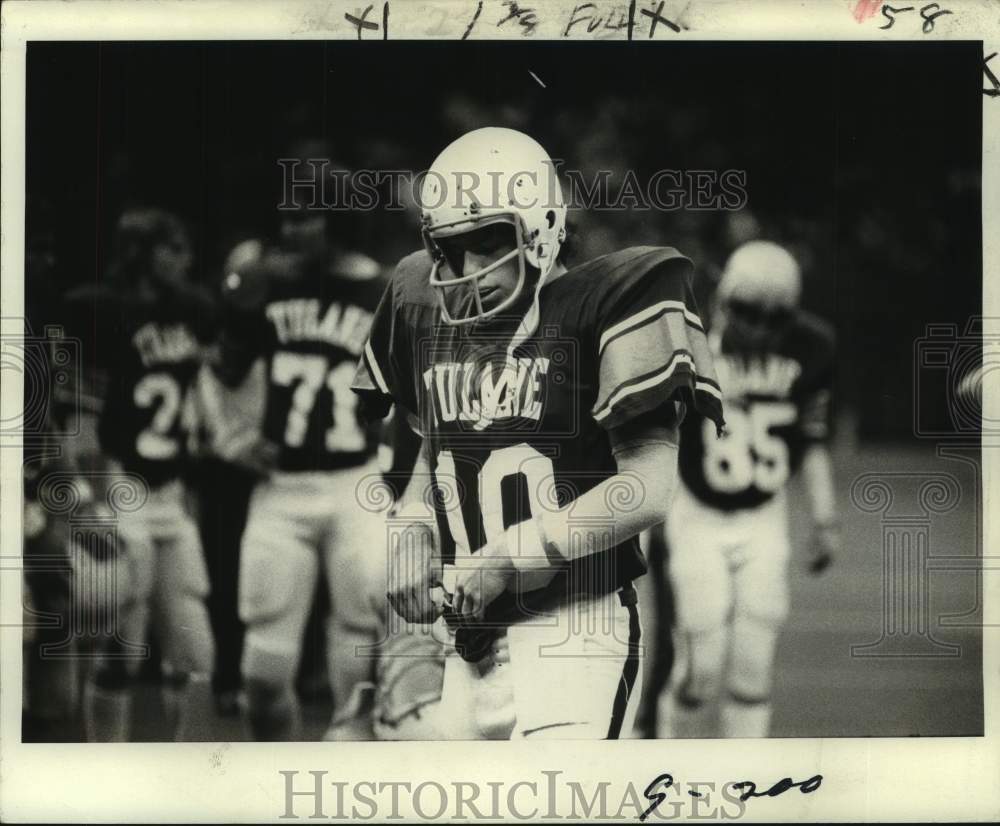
[(159, 576), (728, 562), (729, 574), (166, 581), (572, 673), (302, 526)]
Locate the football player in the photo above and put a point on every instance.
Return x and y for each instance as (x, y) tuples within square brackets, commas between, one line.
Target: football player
[(301, 311), (728, 529), (549, 400), (148, 326)]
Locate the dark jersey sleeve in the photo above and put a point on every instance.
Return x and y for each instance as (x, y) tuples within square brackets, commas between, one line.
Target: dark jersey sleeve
[(94, 316), (651, 345), (403, 445), (814, 390), (375, 381), (385, 374)]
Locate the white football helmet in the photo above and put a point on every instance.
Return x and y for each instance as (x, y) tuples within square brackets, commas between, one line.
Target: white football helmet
[(762, 274), (490, 176)]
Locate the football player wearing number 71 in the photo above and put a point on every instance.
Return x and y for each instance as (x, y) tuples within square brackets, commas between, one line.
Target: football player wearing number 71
[(728, 529), (301, 309), (549, 397)]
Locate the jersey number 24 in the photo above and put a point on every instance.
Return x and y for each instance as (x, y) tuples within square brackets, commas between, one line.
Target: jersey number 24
[(161, 440)]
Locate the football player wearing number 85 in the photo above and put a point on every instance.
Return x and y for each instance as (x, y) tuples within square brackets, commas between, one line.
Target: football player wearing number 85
[(303, 308), (728, 531), (145, 328), (549, 398)]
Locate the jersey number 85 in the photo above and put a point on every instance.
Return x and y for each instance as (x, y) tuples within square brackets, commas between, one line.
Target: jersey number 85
[(748, 454)]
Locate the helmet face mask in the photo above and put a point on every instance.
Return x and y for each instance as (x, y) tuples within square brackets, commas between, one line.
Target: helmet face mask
[(773, 318), (447, 246), (756, 323), (490, 177)]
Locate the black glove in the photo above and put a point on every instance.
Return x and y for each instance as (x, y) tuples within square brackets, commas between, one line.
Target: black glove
[(473, 641)]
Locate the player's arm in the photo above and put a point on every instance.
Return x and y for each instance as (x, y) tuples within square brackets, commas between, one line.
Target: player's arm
[(645, 451), (653, 368), (817, 476), (414, 561), (92, 313), (232, 418)]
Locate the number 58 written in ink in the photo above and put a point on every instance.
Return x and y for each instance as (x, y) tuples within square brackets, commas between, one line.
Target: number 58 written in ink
[(929, 13)]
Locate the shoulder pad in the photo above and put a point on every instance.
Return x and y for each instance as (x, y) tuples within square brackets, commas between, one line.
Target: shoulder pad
[(817, 327), (243, 254), (356, 266), (411, 281), (816, 334), (635, 262), (618, 270)]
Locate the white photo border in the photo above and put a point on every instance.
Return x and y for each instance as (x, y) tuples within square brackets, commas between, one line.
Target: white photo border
[(870, 779)]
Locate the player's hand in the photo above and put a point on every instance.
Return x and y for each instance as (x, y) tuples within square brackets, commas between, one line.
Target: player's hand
[(260, 457), (481, 579), (414, 571), (825, 546)]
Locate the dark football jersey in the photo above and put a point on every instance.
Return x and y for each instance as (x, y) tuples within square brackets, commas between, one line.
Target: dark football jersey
[(148, 351), (310, 328), (516, 427), (777, 402)]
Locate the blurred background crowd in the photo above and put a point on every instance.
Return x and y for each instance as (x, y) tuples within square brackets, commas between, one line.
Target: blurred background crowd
[(863, 160)]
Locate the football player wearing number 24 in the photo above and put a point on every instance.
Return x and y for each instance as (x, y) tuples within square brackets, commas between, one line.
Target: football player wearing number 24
[(149, 327), (728, 530), (549, 398)]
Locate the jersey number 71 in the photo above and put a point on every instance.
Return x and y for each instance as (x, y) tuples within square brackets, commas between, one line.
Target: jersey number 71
[(308, 373)]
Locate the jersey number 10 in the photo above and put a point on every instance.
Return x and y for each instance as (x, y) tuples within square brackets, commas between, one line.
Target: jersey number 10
[(520, 459)]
